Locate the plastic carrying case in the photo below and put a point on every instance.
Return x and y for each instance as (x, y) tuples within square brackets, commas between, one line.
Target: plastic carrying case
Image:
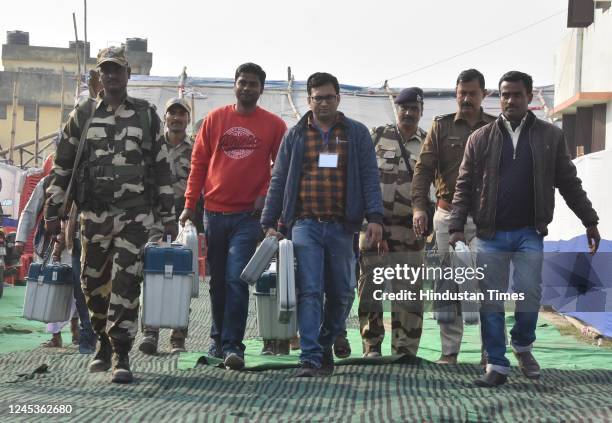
[(260, 260), (446, 311), (168, 283), (49, 293), (461, 256), (270, 328), (188, 236)]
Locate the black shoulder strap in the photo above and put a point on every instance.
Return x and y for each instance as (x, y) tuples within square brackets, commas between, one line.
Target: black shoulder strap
[(92, 109), (405, 155)]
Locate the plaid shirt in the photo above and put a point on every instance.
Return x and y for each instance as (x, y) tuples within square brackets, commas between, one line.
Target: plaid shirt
[(322, 190)]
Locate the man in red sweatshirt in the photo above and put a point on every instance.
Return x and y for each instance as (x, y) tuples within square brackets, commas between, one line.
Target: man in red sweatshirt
[(230, 164)]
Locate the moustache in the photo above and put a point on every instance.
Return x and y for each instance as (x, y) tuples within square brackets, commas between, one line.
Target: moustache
[(467, 104)]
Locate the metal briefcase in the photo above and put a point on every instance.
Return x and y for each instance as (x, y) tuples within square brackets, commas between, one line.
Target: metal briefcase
[(286, 281), (260, 260)]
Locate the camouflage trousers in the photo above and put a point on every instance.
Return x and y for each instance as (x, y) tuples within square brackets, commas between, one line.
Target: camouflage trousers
[(406, 316), (111, 272)]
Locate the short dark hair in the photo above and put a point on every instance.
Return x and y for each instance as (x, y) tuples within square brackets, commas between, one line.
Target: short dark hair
[(516, 76), (318, 79), (471, 75), (253, 68)]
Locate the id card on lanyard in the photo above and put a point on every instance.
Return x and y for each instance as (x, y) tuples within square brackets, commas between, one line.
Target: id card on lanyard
[(327, 159)]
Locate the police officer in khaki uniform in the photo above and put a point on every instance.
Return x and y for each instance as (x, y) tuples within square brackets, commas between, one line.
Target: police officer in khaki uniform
[(400, 244), (180, 146), (439, 163)]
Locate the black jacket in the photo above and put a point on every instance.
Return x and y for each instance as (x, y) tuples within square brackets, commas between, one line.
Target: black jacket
[(477, 183)]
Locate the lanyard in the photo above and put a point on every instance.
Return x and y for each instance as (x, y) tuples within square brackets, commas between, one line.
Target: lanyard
[(325, 136)]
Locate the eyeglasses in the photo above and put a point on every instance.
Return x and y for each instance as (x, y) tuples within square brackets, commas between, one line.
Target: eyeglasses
[(318, 99)]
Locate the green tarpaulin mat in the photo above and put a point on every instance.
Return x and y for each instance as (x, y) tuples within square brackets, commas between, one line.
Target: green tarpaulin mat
[(552, 350), (576, 382)]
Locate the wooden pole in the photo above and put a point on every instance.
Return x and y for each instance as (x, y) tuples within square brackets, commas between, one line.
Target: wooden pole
[(36, 134), (76, 44), (193, 119), (61, 117), (14, 122), (78, 58), (85, 55), (390, 93), (290, 80)]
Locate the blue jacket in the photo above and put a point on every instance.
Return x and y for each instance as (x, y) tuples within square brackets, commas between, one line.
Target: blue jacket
[(363, 195)]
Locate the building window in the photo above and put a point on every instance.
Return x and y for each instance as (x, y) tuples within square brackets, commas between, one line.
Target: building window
[(29, 112), (3, 111)]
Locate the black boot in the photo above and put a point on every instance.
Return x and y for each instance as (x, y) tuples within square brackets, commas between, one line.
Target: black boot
[(282, 347), (268, 347), (121, 368), (149, 342), (342, 347), (102, 359)]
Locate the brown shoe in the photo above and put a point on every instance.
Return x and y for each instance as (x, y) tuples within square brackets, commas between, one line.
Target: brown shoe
[(447, 359), (491, 379), (54, 342), (528, 364), (294, 343), (74, 330)]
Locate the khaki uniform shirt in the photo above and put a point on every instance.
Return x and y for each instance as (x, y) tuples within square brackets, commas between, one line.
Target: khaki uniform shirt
[(441, 157)]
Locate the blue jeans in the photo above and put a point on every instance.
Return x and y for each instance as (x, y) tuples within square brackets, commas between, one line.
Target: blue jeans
[(232, 240), (523, 248), (79, 297), (325, 267)]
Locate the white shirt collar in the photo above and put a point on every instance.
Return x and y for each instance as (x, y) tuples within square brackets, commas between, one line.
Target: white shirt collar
[(518, 129)]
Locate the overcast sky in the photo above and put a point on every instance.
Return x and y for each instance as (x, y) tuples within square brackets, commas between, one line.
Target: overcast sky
[(361, 42)]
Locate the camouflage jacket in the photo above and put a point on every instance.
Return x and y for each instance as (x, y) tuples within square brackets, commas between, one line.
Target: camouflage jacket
[(395, 181), (117, 159), (180, 163)]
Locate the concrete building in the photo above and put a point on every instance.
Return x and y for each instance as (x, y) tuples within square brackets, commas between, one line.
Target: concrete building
[(38, 72), (583, 77)]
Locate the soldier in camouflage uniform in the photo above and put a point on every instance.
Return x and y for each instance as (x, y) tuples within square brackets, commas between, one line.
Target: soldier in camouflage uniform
[(399, 245), (122, 175), (180, 147)]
